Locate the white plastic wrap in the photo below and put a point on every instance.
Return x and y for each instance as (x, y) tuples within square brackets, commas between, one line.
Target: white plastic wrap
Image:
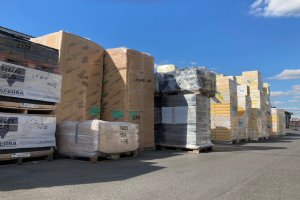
[(89, 138)]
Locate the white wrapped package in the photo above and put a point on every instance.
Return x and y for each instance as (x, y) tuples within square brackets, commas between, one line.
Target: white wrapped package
[(92, 137)]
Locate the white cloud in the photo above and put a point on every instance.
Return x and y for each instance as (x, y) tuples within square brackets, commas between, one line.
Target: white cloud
[(295, 91), (277, 102), (293, 101), (276, 8), (296, 97), (287, 74), (279, 94), (193, 63)]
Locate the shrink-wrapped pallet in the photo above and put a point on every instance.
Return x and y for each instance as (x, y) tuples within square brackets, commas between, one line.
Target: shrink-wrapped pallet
[(278, 122), (93, 137), (183, 121), (188, 80), (244, 105)]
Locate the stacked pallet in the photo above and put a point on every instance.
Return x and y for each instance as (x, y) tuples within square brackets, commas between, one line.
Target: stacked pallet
[(183, 109), (258, 121), (30, 86), (267, 106), (278, 122), (224, 108), (128, 91), (244, 105)]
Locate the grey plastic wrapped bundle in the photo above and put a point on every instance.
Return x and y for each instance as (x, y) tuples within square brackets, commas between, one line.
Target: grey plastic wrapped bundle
[(92, 137), (185, 121), (188, 80)]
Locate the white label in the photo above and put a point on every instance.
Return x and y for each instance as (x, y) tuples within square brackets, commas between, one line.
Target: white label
[(21, 155), (22, 82)]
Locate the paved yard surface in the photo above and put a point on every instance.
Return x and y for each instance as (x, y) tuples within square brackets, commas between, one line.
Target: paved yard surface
[(257, 170)]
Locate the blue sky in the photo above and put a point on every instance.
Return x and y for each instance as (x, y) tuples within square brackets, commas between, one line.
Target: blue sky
[(229, 36)]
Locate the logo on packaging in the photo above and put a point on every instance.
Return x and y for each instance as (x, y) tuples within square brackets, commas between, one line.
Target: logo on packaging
[(8, 124), (12, 74)]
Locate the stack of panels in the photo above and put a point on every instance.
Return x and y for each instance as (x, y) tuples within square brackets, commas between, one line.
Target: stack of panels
[(244, 105), (30, 86), (224, 116), (128, 91), (183, 121), (278, 122), (267, 106), (89, 138), (81, 61)]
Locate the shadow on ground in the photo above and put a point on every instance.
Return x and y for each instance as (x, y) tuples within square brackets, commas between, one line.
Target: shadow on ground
[(290, 137), (71, 172)]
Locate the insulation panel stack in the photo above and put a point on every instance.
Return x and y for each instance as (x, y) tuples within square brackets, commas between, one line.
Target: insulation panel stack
[(224, 110), (278, 122), (30, 87), (244, 105)]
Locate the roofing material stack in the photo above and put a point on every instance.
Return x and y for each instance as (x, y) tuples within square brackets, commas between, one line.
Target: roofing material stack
[(183, 108), (81, 62), (30, 83), (128, 91), (244, 105), (224, 107), (278, 122)]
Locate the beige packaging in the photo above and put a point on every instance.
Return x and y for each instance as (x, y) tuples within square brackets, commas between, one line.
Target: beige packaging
[(81, 62), (128, 91)]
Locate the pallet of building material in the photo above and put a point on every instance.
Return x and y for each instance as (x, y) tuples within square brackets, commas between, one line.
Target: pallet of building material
[(20, 156), (183, 121), (81, 62), (128, 91), (95, 138), (244, 105), (278, 122), (187, 81)]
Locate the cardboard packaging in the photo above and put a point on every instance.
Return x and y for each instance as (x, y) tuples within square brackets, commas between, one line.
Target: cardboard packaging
[(81, 62), (128, 91), (18, 131)]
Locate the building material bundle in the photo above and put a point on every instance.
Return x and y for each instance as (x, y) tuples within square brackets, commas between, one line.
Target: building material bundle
[(30, 86), (81, 61), (188, 80), (128, 91), (183, 121), (244, 105), (224, 107), (278, 122), (95, 137), (183, 108), (258, 120), (267, 106), (165, 68)]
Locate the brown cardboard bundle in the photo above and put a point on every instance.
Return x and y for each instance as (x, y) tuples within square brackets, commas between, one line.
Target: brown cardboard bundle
[(81, 62), (128, 91), (224, 118)]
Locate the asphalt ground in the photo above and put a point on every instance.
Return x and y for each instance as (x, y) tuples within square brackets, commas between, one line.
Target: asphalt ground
[(257, 170)]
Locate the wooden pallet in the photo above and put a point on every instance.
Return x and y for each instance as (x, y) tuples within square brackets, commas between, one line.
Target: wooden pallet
[(184, 149), (24, 155), (26, 108), (101, 156), (226, 142)]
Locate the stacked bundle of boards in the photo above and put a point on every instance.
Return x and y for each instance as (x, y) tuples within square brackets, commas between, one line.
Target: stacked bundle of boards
[(278, 122), (224, 110), (182, 108), (258, 113), (30, 88), (244, 105)]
